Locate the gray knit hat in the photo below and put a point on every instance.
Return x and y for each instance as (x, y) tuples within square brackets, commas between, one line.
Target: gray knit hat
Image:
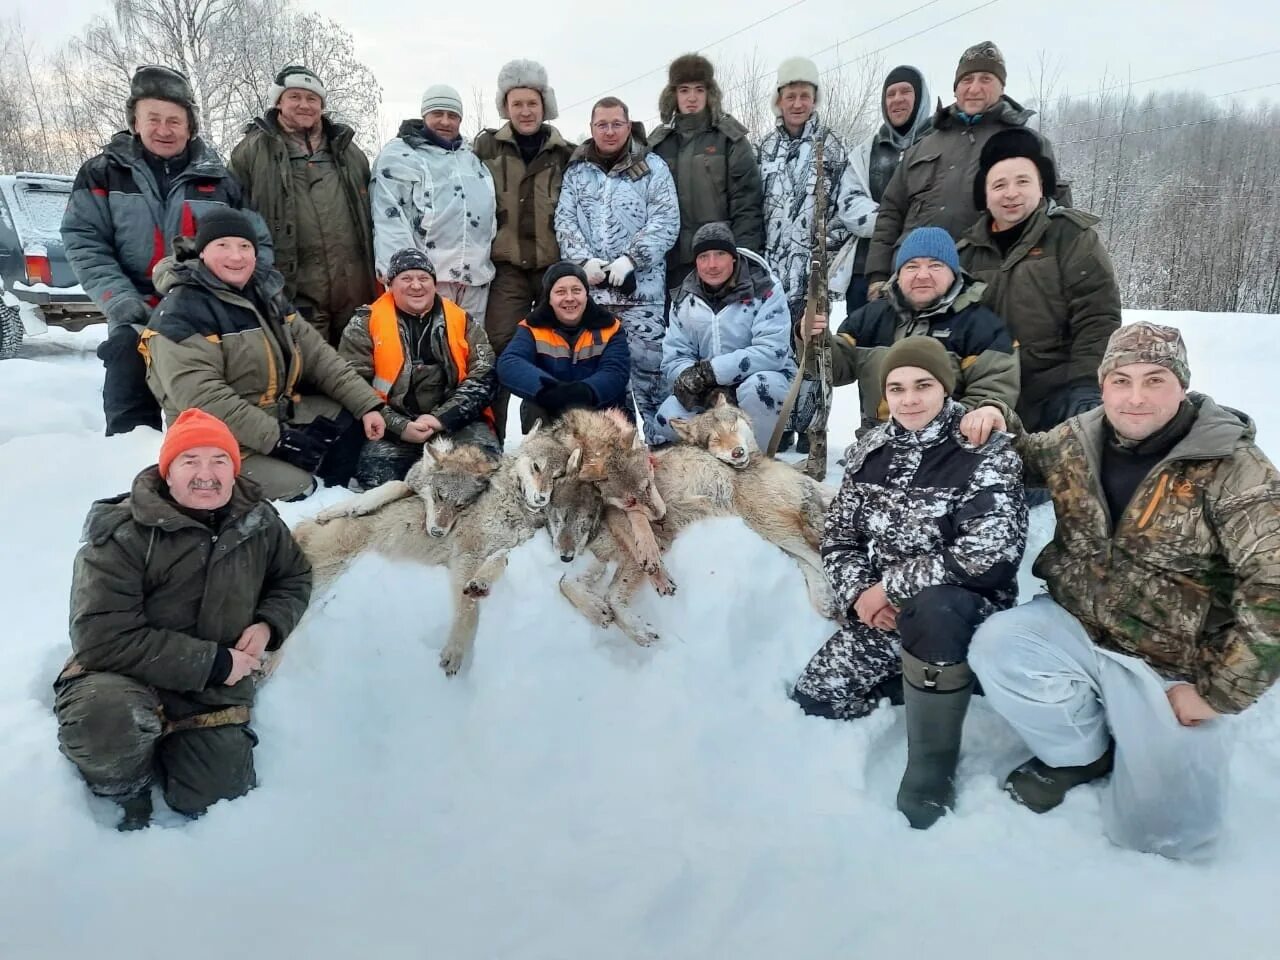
[(441, 96), (154, 82), (1145, 342), (410, 258), (531, 75), (714, 236), (297, 77)]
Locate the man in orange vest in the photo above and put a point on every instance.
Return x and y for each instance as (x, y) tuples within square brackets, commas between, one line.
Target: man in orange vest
[(429, 361)]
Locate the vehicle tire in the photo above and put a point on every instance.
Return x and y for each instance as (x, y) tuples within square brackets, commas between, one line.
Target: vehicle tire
[(11, 330)]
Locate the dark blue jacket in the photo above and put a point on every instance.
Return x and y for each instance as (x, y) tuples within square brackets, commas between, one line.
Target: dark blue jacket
[(544, 352)]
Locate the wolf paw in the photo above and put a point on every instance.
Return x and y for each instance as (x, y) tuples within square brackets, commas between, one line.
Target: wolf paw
[(476, 588), (450, 660), (646, 638), (663, 583)]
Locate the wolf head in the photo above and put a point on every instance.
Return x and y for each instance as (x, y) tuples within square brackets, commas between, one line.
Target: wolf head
[(573, 516), (449, 479), (540, 463), (724, 431)]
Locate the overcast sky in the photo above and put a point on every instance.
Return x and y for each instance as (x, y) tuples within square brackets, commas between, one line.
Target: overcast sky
[(591, 49)]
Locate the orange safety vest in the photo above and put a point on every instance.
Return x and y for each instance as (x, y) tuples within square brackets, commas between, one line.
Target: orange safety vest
[(388, 349), (590, 343)]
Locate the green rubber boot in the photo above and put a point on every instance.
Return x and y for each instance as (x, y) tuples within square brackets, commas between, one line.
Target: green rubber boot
[(937, 698), (1040, 787)]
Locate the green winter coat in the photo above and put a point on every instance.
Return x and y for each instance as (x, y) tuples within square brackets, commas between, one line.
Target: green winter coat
[(436, 388), (933, 185), (717, 180), (526, 196), (1057, 292), (321, 225), (1188, 579), (154, 593), (210, 346)]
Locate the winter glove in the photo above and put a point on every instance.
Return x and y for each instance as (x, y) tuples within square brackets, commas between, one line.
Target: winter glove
[(127, 311), (693, 384), (1073, 400), (622, 275), (300, 448), (559, 397), (595, 271)]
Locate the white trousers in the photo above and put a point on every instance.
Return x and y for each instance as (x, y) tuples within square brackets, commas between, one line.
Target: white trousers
[(1068, 698), (474, 300)]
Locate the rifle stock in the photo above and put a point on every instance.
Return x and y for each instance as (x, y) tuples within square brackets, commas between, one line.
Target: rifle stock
[(818, 303)]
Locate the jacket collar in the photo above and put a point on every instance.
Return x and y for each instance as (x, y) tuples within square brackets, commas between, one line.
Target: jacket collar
[(1006, 110), (126, 149)]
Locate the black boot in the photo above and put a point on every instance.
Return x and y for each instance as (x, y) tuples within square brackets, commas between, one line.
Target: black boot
[(1040, 787), (127, 401), (937, 698), (787, 440), (137, 811)]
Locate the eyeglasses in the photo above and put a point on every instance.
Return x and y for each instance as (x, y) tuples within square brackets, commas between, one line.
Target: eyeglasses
[(607, 126)]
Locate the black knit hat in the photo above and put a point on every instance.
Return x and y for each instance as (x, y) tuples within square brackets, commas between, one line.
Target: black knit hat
[(224, 222), (410, 258), (153, 82), (1006, 145), (927, 353), (715, 236), (558, 271), (906, 74)]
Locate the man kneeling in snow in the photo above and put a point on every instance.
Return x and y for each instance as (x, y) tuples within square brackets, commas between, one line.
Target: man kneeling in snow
[(1162, 611), (180, 587)]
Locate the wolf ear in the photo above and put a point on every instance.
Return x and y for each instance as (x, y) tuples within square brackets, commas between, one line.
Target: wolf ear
[(537, 425), (682, 429), (637, 440), (721, 400), (575, 461), (435, 452)]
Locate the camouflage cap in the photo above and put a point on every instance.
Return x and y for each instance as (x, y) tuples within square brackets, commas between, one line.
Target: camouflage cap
[(1147, 343)]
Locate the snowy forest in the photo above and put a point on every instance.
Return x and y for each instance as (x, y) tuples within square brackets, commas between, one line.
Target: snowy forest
[(1187, 183)]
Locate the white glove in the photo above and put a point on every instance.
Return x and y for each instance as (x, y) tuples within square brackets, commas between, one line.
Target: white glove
[(594, 269), (619, 269)]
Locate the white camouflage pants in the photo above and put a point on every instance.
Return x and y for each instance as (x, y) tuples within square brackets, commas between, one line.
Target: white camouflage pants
[(474, 300), (1067, 698), (644, 329)]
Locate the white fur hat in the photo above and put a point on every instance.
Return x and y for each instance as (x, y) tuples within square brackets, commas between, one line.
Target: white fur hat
[(528, 74), (292, 77), (797, 70)]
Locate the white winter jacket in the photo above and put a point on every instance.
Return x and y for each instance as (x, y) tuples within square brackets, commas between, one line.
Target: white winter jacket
[(744, 330), (631, 210), (436, 200), (788, 174)]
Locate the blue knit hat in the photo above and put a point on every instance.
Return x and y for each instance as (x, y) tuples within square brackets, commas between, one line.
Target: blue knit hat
[(932, 242)]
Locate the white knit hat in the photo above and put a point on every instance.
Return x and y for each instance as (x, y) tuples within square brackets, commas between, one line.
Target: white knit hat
[(441, 96), (526, 74), (796, 70), (295, 77)]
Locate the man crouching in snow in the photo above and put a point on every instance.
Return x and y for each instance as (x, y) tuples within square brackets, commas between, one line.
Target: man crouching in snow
[(730, 331), (1162, 612), (180, 587), (921, 545)]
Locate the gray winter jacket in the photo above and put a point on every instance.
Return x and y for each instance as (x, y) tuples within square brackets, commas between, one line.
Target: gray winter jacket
[(745, 329), (118, 227)]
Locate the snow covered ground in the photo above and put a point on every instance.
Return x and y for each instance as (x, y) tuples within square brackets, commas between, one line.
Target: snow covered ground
[(569, 795)]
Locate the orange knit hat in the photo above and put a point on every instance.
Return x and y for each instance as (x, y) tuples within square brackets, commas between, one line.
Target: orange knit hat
[(195, 428)]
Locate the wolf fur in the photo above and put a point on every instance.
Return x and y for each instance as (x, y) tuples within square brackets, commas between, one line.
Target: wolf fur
[(502, 517)]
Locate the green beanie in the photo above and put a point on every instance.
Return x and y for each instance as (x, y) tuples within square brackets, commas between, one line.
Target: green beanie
[(926, 353)]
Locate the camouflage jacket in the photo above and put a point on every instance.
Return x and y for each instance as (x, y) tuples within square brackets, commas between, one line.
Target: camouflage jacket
[(926, 508), (1188, 578)]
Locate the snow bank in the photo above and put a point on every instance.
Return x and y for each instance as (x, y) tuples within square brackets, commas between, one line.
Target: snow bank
[(568, 795)]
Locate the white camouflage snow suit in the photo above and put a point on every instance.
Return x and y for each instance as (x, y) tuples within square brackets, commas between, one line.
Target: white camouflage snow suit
[(745, 331), (631, 209)]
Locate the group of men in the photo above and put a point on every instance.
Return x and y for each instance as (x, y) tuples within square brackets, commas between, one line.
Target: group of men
[(227, 290)]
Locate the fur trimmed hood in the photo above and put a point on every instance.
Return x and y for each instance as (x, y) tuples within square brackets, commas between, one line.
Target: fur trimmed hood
[(689, 68)]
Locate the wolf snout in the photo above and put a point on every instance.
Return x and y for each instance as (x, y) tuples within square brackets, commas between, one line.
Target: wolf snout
[(566, 558), (436, 531), (738, 453)]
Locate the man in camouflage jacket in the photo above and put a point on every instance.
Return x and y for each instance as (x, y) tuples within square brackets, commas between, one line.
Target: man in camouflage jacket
[(1162, 611)]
